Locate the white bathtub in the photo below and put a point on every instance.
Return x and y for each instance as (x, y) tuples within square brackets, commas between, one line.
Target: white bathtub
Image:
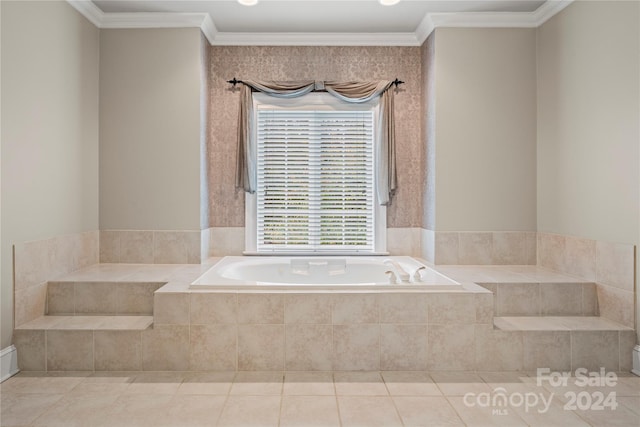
[(320, 274)]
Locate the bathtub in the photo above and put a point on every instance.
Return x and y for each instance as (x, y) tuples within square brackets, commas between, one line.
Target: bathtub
[(322, 274)]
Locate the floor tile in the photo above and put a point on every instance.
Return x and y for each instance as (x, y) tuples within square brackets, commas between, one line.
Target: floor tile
[(426, 411), (216, 383), (309, 411), (309, 384), (257, 383), (262, 411), (23, 409), (459, 383), (359, 384), (475, 413), (77, 411), (368, 411), (410, 384)]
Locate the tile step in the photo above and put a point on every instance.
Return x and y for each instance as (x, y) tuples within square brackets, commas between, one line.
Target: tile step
[(89, 323), (557, 323)]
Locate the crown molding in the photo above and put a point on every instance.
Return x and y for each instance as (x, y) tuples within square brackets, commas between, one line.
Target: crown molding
[(428, 24), (315, 39), (490, 19), (89, 11)]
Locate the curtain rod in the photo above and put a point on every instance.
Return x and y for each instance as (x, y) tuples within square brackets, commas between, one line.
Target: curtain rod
[(235, 81)]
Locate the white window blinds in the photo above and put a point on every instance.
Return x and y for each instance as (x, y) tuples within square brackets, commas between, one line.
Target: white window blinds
[(315, 181)]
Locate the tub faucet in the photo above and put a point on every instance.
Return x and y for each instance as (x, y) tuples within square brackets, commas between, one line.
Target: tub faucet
[(400, 272), (416, 274), (393, 278)]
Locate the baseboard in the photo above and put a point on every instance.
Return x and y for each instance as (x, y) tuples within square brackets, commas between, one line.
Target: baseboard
[(636, 360), (8, 363)]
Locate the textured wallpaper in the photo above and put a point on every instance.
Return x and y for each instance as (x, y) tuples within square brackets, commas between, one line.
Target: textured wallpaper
[(226, 204)]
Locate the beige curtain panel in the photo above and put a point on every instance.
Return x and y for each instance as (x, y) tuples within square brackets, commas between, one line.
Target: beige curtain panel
[(354, 92)]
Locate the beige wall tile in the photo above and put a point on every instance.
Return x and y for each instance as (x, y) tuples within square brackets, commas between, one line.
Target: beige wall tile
[(31, 350), (403, 308), (69, 350), (165, 348), (169, 247), (207, 308), (260, 347), (451, 308), (136, 247), (89, 248), (403, 347), (551, 251), (193, 243), (580, 258), (226, 241), (615, 265), (213, 348), (355, 308), (403, 241), (171, 308), (561, 299), (109, 246), (307, 309), (451, 348), (547, 349), (30, 303), (356, 347), (118, 350), (484, 308), (627, 343), (498, 350), (518, 299), (509, 248), (531, 248), (427, 245), (616, 305), (309, 347), (475, 248), (446, 248), (96, 298), (136, 298), (589, 300), (32, 263), (60, 298), (176, 247), (261, 308), (595, 349)]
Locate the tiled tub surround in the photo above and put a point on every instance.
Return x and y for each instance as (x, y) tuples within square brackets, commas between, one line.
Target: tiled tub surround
[(38, 261), (610, 265), (478, 248), (221, 331), (154, 246), (455, 248)]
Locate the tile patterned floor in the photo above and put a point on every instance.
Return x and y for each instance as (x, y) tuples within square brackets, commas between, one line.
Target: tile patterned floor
[(312, 399)]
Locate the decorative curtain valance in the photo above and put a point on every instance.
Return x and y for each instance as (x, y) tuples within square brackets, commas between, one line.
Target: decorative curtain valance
[(354, 92)]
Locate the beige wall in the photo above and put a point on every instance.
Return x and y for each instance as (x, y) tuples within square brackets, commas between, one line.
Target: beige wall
[(589, 123), (226, 204), (50, 129), (588, 108), (485, 129), (150, 129)]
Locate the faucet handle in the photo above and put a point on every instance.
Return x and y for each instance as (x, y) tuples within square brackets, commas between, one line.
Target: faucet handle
[(416, 274), (393, 278)]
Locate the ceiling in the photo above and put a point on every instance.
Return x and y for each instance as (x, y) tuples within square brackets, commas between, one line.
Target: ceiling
[(327, 22)]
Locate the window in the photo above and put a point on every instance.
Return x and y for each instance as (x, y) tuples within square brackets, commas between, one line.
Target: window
[(315, 191)]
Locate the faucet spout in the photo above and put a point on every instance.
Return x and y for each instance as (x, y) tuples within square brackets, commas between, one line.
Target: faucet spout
[(400, 272)]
